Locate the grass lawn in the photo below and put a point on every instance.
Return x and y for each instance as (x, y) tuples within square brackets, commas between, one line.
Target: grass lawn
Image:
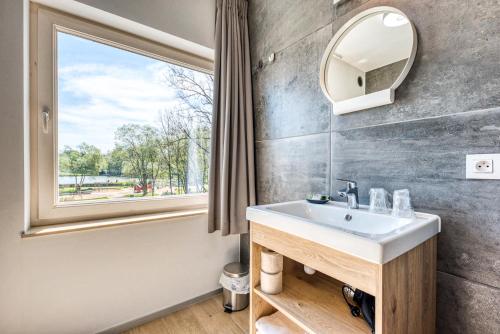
[(72, 190), (141, 195), (84, 199)]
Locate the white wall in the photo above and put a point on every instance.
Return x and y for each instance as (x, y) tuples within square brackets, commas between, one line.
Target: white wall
[(342, 80), (193, 20), (84, 282)]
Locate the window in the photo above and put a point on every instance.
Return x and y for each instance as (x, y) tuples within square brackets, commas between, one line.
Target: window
[(120, 125)]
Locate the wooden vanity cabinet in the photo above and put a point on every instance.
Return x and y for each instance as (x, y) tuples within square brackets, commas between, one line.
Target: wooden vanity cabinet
[(404, 288)]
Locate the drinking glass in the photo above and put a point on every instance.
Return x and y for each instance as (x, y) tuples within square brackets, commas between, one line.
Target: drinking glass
[(379, 200), (401, 204)]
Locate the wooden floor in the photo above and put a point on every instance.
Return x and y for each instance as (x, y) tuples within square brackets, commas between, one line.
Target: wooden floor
[(207, 317)]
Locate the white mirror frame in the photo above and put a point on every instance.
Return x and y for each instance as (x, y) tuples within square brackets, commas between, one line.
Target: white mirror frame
[(375, 99)]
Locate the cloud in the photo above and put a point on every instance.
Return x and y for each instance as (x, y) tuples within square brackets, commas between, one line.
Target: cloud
[(95, 99)]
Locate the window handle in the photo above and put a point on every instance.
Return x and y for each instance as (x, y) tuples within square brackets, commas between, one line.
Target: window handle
[(45, 119)]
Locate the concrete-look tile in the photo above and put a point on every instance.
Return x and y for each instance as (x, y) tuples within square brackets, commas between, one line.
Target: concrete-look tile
[(289, 169), (455, 71), (428, 157), (431, 148), (287, 96), (468, 246), (345, 6), (466, 307), (245, 248), (456, 67), (275, 25)]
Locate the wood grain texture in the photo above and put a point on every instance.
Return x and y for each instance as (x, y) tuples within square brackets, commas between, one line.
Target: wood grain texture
[(346, 268), (315, 304), (429, 284), (204, 318), (258, 306), (405, 288), (406, 295)]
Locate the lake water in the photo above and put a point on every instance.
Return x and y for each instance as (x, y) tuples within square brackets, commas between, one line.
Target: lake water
[(69, 180)]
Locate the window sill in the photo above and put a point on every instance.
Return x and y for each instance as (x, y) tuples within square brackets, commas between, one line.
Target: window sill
[(111, 222)]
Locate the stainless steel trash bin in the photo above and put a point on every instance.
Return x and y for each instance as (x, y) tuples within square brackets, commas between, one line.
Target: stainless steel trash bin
[(233, 301)]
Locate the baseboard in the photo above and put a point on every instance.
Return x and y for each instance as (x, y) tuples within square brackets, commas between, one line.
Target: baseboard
[(158, 314)]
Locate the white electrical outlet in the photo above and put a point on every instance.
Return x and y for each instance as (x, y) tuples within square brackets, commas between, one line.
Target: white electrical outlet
[(483, 166)]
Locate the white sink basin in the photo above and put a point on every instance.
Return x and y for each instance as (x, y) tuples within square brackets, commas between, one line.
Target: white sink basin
[(377, 238)]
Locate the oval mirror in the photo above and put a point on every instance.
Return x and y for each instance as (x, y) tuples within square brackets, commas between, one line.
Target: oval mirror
[(367, 59)]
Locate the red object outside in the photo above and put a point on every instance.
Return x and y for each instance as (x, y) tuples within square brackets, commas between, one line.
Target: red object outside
[(138, 188)]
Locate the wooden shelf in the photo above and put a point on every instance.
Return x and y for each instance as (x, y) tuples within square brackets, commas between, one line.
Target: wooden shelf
[(315, 304)]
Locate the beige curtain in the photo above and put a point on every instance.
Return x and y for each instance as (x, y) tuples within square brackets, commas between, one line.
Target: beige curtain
[(232, 171)]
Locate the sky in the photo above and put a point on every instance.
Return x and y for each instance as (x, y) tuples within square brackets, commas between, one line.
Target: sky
[(101, 88)]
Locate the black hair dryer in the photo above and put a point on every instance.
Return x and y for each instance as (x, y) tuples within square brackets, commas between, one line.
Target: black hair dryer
[(363, 304)]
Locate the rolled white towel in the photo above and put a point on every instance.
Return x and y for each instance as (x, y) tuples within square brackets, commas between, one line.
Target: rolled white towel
[(277, 323)]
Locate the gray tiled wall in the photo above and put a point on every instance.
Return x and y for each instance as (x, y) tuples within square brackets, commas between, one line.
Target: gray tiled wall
[(448, 106), (383, 77)]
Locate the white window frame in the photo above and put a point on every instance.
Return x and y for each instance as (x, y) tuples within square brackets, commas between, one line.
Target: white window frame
[(45, 210)]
